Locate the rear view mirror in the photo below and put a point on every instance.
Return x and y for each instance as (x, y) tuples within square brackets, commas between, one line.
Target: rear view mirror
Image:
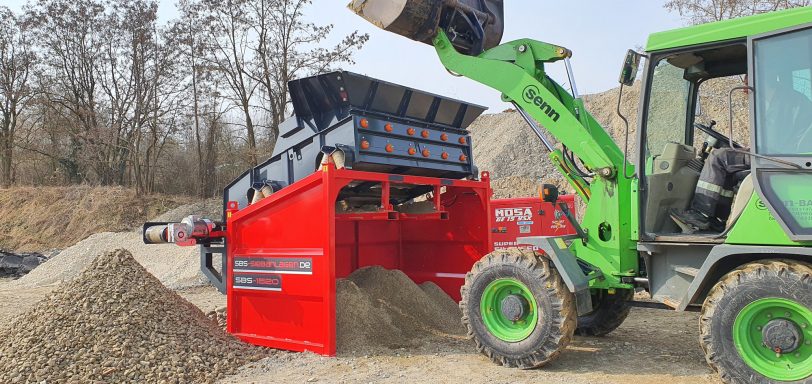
[(630, 65)]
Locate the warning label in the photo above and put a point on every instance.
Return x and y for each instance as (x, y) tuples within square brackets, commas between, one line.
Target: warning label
[(297, 266), (266, 282)]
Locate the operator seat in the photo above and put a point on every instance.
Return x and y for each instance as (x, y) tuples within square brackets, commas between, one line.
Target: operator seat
[(742, 198), (740, 176)]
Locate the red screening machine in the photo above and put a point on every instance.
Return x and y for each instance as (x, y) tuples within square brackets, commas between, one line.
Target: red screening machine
[(365, 173)]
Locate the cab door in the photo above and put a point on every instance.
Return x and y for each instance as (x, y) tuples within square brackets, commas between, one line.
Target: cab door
[(781, 113)]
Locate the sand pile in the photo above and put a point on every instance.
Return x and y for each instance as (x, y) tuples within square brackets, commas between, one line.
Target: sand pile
[(378, 308), (117, 323), (176, 267)]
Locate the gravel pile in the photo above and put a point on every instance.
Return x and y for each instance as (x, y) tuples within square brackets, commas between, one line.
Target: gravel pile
[(384, 309), (176, 267), (218, 316), (117, 323)]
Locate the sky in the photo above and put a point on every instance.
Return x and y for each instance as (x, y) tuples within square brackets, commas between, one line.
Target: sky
[(598, 32)]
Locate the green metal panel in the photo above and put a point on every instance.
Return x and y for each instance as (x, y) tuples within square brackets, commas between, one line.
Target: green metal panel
[(517, 70), (634, 217), (729, 29), (757, 226)]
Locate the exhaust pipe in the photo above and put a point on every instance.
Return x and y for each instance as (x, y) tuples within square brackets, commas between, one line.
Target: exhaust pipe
[(472, 25)]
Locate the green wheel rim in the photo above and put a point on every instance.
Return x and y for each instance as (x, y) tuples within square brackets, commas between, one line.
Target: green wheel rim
[(747, 336), (496, 322)]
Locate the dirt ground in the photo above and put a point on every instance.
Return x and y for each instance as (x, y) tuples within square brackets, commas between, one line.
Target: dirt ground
[(652, 346)]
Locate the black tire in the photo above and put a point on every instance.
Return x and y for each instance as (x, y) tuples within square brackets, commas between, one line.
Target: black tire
[(787, 279), (609, 312), (556, 308)]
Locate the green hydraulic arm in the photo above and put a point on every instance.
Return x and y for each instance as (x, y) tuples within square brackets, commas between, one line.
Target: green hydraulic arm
[(517, 69)]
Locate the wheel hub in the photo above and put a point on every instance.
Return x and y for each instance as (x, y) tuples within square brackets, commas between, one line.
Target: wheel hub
[(773, 336), (509, 310), (782, 336), (515, 307)]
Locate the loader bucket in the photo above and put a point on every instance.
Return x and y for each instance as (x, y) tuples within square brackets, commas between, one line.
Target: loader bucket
[(473, 25)]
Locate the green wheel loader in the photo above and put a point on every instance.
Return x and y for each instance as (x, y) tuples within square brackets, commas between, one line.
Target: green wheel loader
[(749, 274)]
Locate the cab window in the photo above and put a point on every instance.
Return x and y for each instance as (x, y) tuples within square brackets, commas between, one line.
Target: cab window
[(783, 65), (667, 108)]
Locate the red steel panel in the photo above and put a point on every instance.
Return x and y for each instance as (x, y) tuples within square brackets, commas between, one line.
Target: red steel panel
[(528, 216), (297, 225), (286, 251)]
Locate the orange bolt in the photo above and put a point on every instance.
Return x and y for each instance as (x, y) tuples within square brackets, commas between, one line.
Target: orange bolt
[(425, 134), (444, 155), (462, 140), (426, 153), (390, 148), (463, 158), (364, 144), (388, 127), (410, 131), (412, 151), (444, 137), (364, 123)]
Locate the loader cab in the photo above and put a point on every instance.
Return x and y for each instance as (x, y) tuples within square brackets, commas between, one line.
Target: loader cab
[(689, 95), (682, 122)]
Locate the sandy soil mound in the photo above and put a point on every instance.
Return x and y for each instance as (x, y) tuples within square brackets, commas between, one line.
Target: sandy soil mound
[(515, 186), (39, 219), (117, 323), (176, 267), (505, 146), (378, 308)]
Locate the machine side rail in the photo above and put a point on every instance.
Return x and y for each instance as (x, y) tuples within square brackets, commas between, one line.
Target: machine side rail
[(216, 277)]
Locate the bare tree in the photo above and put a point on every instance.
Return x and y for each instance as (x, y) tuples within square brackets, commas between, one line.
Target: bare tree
[(287, 47), (16, 62), (100, 91), (227, 26), (703, 11), (205, 116), (72, 48)]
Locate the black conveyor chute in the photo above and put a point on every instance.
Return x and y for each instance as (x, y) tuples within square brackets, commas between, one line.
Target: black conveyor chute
[(318, 100)]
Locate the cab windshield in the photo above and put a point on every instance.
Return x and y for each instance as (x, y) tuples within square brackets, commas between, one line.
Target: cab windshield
[(783, 82), (667, 109)]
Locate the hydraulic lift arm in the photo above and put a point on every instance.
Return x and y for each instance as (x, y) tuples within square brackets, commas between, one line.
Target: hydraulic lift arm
[(517, 69)]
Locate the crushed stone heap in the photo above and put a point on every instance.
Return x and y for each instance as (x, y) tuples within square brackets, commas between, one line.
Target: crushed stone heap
[(378, 309), (117, 323)]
